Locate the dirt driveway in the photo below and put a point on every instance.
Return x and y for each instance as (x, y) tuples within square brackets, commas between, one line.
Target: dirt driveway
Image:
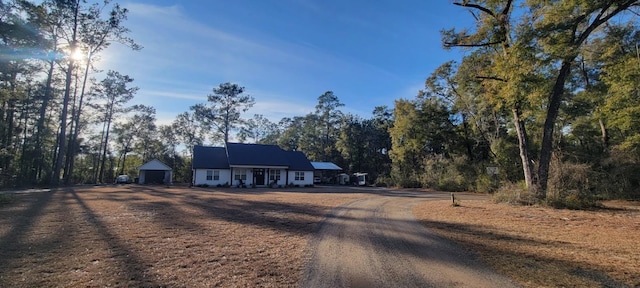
[(376, 242)]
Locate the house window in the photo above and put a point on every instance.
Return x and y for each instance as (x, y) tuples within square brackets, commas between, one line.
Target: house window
[(209, 175), (299, 176), (241, 175), (216, 175), (274, 175)]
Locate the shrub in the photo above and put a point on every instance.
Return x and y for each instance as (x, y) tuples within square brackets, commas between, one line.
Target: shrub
[(455, 174), (486, 183), (383, 181), (617, 176), (571, 200), (409, 183), (569, 185), (515, 193)]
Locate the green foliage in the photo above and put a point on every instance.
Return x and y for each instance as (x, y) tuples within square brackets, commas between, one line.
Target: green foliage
[(445, 174), (486, 183), (462, 122), (515, 193), (571, 200), (383, 181), (258, 129), (222, 112), (507, 159), (617, 176)]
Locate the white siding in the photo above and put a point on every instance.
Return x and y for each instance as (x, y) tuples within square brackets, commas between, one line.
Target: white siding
[(308, 178), (283, 177), (240, 171), (200, 177)]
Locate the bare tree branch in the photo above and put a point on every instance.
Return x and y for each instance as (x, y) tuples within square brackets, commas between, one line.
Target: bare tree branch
[(452, 44), (476, 6), (491, 78)]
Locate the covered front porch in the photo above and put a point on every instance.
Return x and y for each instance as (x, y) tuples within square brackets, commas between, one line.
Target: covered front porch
[(259, 176)]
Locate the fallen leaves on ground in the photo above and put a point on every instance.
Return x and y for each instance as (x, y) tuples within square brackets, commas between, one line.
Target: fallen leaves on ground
[(544, 247)]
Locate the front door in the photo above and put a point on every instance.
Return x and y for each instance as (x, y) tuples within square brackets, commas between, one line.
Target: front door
[(258, 177)]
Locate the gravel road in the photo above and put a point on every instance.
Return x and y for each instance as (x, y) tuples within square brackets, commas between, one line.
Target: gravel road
[(376, 242)]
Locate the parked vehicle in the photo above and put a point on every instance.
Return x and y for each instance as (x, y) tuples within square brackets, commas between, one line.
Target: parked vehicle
[(360, 179), (123, 179)]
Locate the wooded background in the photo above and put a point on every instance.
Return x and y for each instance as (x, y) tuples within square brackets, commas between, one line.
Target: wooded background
[(548, 92)]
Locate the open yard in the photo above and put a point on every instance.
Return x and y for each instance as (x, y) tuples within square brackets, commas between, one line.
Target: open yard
[(139, 236), (544, 247), (146, 236)]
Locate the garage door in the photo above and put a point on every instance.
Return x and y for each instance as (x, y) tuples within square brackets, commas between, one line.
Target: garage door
[(154, 177)]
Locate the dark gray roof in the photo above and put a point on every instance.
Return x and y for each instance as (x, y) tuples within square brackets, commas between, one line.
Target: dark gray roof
[(298, 161), (209, 158), (256, 155), (240, 154)]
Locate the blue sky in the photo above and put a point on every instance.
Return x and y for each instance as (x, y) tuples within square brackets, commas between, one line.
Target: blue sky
[(284, 52)]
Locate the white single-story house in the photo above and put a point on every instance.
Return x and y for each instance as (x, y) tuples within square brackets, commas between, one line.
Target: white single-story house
[(155, 172), (250, 164)]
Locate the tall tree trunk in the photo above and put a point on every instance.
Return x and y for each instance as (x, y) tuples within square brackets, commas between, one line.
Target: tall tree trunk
[(555, 99), (65, 102), (62, 138), (76, 119), (226, 129), (24, 168), (69, 154), (104, 151), (26, 157), (467, 142), (124, 160), (604, 135), (8, 139), (96, 172), (41, 123), (523, 145)]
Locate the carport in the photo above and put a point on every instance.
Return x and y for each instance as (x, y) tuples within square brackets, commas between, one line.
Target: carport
[(325, 172), (155, 172)]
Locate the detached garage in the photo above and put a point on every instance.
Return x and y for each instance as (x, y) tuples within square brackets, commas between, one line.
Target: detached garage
[(155, 172)]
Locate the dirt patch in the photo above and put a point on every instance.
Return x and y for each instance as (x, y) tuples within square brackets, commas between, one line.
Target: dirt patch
[(139, 236), (544, 247)]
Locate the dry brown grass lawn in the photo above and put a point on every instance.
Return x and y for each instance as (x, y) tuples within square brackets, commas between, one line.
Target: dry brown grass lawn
[(136, 236), (140, 236), (545, 247)]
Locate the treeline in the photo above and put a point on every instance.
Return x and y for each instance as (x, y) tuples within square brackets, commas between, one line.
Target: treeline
[(544, 106), (50, 105), (548, 93)]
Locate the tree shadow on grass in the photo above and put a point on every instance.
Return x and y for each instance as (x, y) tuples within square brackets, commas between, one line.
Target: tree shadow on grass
[(135, 271), (484, 242), (21, 222), (286, 217), (168, 215), (219, 204), (13, 244)]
